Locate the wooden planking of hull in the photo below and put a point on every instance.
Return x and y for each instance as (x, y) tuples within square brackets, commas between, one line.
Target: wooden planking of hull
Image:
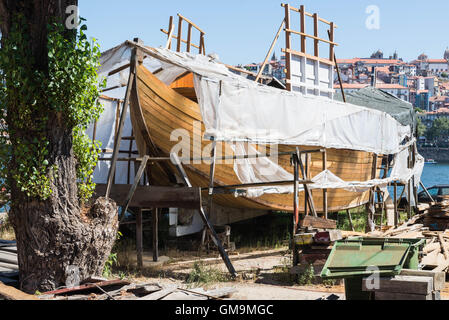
[(164, 113)]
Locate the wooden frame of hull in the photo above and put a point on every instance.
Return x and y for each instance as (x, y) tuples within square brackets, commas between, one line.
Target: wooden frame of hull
[(158, 110)]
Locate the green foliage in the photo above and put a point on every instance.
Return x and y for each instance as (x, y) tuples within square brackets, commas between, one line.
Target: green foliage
[(422, 129), (439, 129), (31, 101), (110, 263), (307, 276)]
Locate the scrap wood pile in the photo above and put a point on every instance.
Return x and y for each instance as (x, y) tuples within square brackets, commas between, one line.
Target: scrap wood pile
[(9, 269), (435, 254), (124, 290)]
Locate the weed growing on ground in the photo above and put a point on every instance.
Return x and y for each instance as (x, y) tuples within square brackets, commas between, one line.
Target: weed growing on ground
[(6, 230), (201, 275), (307, 276)]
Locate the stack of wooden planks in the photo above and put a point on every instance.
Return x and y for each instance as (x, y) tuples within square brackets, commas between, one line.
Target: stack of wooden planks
[(9, 269), (437, 217), (409, 285)]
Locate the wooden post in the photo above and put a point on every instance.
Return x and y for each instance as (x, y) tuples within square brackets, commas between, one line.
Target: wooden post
[(334, 58), (306, 187), (202, 44), (348, 212), (325, 209), (270, 51), (371, 206), (295, 163), (155, 228), (316, 41), (178, 48), (331, 45), (139, 238), (427, 192), (395, 200), (171, 30), (137, 178), (118, 139), (306, 194), (303, 28), (189, 37), (296, 192), (288, 45), (175, 160)]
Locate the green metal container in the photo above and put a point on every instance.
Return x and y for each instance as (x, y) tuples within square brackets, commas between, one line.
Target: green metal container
[(356, 258)]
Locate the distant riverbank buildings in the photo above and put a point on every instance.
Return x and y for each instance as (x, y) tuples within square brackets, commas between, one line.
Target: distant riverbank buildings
[(423, 82)]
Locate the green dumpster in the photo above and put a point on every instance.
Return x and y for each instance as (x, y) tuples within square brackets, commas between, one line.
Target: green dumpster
[(356, 258)]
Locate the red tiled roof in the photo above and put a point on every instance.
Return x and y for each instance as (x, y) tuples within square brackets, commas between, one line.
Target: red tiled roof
[(351, 85), (390, 86)]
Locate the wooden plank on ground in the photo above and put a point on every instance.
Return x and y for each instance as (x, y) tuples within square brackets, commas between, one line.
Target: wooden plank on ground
[(402, 284), (159, 295), (319, 223), (390, 296), (154, 197), (8, 257), (439, 278), (11, 293)]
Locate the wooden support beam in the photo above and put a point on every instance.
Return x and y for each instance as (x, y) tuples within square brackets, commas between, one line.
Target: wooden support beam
[(395, 202), (308, 56), (426, 191), (270, 50), (155, 230), (318, 223), (182, 40), (331, 42), (215, 238), (303, 28), (191, 23), (139, 238), (348, 212), (325, 199), (306, 13), (154, 197), (202, 44), (178, 47), (316, 41), (288, 45), (306, 187), (295, 163), (213, 156), (189, 37), (171, 31), (118, 139), (137, 179)]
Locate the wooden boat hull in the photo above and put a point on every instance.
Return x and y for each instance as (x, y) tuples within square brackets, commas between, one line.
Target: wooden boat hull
[(163, 113)]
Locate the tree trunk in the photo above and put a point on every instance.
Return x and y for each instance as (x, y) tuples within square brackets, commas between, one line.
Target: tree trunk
[(57, 234)]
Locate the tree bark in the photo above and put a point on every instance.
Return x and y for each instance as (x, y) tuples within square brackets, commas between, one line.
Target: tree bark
[(57, 233)]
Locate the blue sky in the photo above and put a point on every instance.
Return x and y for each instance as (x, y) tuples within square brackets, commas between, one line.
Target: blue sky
[(241, 31)]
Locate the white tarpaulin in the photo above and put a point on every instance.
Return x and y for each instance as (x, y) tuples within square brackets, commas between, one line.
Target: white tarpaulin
[(235, 109), (105, 133)]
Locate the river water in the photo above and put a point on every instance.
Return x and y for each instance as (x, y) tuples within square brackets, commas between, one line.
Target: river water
[(435, 174)]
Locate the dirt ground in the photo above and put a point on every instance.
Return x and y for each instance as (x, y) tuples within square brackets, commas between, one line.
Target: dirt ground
[(263, 275)]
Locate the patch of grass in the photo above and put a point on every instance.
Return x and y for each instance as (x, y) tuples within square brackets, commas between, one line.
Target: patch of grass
[(6, 230), (359, 219), (203, 275), (270, 231)]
